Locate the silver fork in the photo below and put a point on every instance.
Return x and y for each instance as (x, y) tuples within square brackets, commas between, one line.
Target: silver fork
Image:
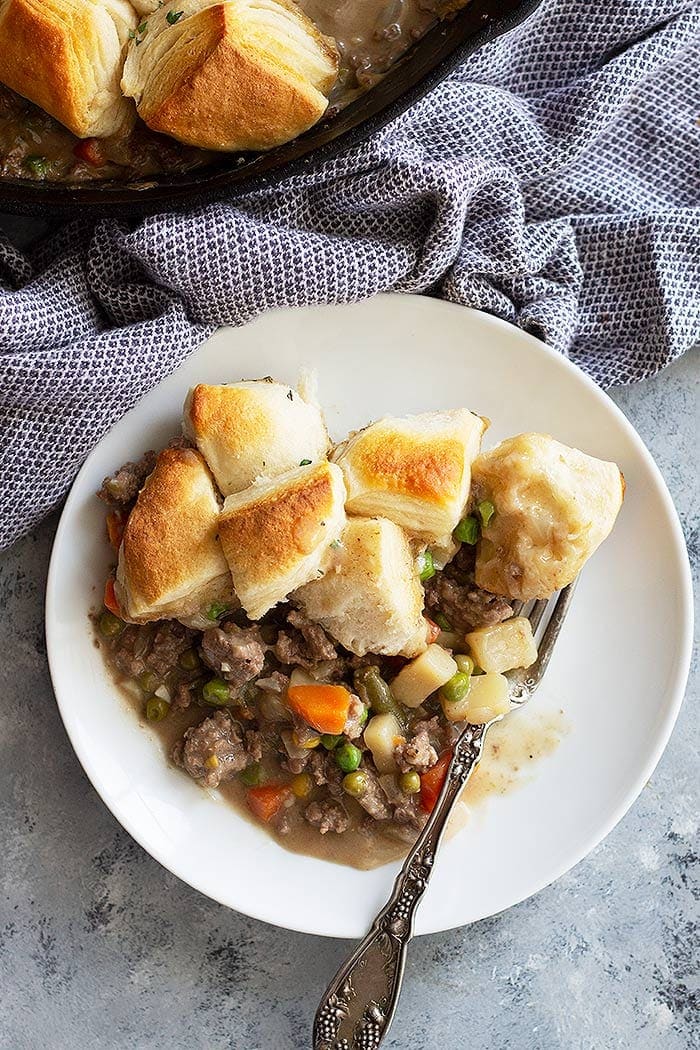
[(359, 1004)]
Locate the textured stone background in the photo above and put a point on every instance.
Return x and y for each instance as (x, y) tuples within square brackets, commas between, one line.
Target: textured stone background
[(100, 947)]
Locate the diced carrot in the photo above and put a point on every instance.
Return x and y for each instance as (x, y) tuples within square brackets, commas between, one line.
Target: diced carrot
[(115, 528), (110, 598), (267, 800), (431, 782), (433, 630), (91, 151), (324, 707)]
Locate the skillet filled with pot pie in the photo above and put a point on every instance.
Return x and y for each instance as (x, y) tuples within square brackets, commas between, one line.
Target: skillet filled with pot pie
[(127, 89), (308, 625)]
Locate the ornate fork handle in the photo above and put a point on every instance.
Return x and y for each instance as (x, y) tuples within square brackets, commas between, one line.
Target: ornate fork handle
[(359, 1004)]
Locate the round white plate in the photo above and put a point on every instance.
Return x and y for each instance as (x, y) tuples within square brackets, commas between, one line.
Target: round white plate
[(395, 355)]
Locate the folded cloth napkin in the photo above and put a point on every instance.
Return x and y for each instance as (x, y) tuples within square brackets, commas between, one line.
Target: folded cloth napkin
[(553, 180)]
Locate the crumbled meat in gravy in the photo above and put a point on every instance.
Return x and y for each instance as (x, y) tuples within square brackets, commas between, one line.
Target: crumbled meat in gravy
[(237, 654), (417, 753), (454, 594), (122, 487), (302, 643), (327, 816), (213, 750)]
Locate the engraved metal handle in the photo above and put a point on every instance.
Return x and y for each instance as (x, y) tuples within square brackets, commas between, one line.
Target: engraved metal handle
[(359, 1004)]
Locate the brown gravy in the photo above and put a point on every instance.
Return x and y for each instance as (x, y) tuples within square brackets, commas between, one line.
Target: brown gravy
[(513, 750)]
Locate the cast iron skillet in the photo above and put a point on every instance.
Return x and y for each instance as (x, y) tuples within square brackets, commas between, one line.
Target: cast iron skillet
[(428, 62)]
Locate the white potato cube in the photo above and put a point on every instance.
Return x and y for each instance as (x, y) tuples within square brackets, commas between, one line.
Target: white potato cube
[(382, 733), (487, 698), (422, 676), (503, 646)]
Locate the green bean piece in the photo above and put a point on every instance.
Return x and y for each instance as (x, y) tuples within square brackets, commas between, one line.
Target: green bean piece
[(356, 783), (348, 757), (110, 625), (216, 692), (443, 623), (467, 531), (465, 664), (156, 709), (376, 694), (330, 740), (189, 660), (216, 610), (39, 166), (409, 783), (486, 511), (253, 775), (457, 687), (149, 681), (426, 566)]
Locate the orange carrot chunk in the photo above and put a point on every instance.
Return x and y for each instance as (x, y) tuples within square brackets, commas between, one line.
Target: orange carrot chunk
[(431, 782), (115, 528), (267, 800), (323, 707), (110, 598)]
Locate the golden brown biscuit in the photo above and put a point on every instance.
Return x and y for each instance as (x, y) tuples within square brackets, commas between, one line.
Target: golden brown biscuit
[(553, 507), (277, 535), (170, 561), (370, 598), (414, 471), (231, 74), (252, 430), (67, 57)]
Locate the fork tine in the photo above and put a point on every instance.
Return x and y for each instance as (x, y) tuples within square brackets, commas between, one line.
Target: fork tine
[(551, 631), (537, 612)]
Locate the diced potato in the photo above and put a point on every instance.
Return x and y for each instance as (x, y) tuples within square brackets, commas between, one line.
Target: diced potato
[(423, 675), (503, 646), (382, 732), (487, 698)]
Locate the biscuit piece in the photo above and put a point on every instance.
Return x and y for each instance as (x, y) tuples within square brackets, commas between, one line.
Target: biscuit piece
[(414, 471), (370, 598), (251, 430), (67, 57), (553, 507), (170, 561), (277, 535), (231, 75)]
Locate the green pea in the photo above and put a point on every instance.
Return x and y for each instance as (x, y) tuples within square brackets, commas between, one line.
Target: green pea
[(148, 681), (329, 741), (215, 610), (486, 511), (253, 775), (409, 783), (110, 625), (216, 692), (465, 664), (348, 757), (442, 622), (426, 566), (356, 783), (362, 718), (467, 531), (156, 709), (189, 660), (457, 687), (38, 166)]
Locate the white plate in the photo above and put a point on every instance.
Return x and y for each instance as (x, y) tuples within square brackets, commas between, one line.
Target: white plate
[(619, 669)]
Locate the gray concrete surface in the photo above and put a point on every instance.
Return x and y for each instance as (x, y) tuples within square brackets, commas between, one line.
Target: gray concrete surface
[(100, 947)]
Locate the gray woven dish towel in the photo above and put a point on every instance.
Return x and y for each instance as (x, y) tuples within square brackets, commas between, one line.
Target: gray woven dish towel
[(554, 180)]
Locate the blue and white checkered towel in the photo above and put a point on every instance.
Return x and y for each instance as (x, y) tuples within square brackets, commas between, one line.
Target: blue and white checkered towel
[(553, 180)]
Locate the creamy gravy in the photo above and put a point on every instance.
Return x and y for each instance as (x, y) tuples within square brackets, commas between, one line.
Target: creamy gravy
[(514, 748)]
